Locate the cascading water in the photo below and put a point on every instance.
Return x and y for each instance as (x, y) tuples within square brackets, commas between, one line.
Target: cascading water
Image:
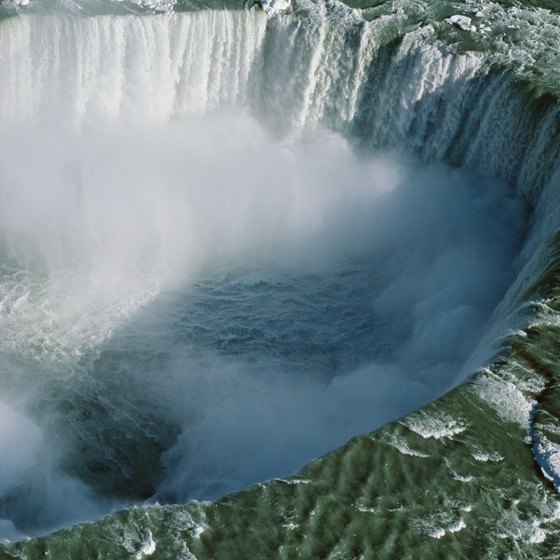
[(227, 248)]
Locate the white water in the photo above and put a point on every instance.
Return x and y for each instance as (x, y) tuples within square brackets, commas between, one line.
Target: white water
[(84, 71), (333, 70), (137, 163)]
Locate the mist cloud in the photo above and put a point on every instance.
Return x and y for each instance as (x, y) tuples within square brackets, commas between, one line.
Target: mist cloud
[(111, 229)]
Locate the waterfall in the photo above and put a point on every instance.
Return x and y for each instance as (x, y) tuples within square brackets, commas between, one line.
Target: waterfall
[(213, 223)]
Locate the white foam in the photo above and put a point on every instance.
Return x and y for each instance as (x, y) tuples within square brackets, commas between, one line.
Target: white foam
[(462, 22), (463, 478), (537, 536), (364, 509), (506, 398), (403, 447), (147, 548), (548, 458), (456, 527), (436, 533), (439, 526), (272, 7), (485, 457), (436, 426)]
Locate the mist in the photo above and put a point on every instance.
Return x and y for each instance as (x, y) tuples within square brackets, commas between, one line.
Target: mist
[(34, 492), (269, 298)]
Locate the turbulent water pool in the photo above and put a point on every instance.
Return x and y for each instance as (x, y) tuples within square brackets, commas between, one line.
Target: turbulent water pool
[(231, 241), (190, 312)]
